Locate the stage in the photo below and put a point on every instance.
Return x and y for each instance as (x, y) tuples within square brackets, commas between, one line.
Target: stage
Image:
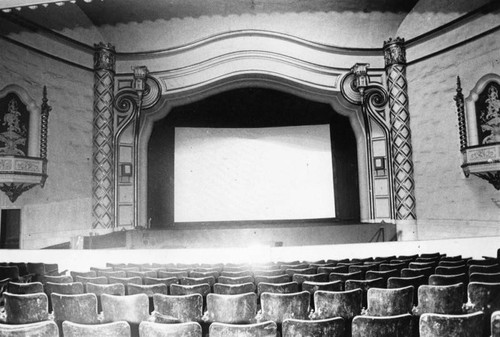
[(242, 235)]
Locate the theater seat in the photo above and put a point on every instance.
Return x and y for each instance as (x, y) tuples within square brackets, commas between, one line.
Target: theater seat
[(25, 288), (40, 329), (387, 326), (130, 308), (484, 297), (188, 329), (231, 309), (262, 329), (182, 308), (80, 308), (25, 308), (119, 328), (330, 327), (279, 288), (233, 289), (278, 307), (440, 299), (390, 302), (443, 325)]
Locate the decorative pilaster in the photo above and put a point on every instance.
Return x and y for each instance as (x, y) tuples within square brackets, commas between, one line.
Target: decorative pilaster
[(459, 100), (46, 108), (404, 184), (102, 138)]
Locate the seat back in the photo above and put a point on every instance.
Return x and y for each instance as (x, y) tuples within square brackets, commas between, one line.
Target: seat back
[(362, 268), (484, 296), (390, 302), (283, 278), (56, 279), (188, 329), (233, 289), (279, 288), (446, 280), (495, 324), (278, 307), (301, 278), (345, 304), (448, 270), (331, 327), (210, 280), (181, 289), (384, 274), (39, 329), (387, 326), (182, 308), (440, 299), (25, 288), (235, 279), (91, 273), (485, 277), (25, 308), (166, 281), (443, 325), (96, 280), (80, 308), (312, 287), (119, 328), (149, 290), (263, 329), (9, 272), (495, 268), (129, 308), (169, 273), (236, 273), (232, 309)]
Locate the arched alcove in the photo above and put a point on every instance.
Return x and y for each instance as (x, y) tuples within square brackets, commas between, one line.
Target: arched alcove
[(250, 108)]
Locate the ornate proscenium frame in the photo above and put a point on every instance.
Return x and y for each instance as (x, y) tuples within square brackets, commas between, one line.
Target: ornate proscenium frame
[(129, 103), (479, 129), (23, 159), (358, 89)]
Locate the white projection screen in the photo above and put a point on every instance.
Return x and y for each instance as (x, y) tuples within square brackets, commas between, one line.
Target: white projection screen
[(234, 174)]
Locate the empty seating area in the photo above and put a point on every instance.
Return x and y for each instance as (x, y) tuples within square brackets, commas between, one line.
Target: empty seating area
[(427, 295)]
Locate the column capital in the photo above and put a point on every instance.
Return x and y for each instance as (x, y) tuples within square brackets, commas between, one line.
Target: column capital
[(104, 56), (394, 51)]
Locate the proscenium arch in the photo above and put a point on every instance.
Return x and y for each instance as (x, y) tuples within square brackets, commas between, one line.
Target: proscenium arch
[(333, 98)]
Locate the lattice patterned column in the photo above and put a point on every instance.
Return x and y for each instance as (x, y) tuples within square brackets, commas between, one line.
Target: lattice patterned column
[(102, 140), (404, 184)]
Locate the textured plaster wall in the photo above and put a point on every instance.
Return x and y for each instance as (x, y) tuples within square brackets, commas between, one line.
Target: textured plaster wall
[(448, 204), (63, 207)]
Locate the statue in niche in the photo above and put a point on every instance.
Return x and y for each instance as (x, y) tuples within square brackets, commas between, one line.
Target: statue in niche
[(14, 119), (488, 107)]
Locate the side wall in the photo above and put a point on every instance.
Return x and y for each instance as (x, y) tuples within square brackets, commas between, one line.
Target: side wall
[(63, 207), (449, 205)]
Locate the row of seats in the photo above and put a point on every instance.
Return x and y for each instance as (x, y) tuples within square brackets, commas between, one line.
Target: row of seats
[(354, 281), (282, 312), (431, 325)]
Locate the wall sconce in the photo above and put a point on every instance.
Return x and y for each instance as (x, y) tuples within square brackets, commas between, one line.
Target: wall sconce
[(361, 79), (125, 172), (379, 166)]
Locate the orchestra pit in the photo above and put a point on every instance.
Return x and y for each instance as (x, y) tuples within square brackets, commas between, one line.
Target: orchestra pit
[(249, 168)]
